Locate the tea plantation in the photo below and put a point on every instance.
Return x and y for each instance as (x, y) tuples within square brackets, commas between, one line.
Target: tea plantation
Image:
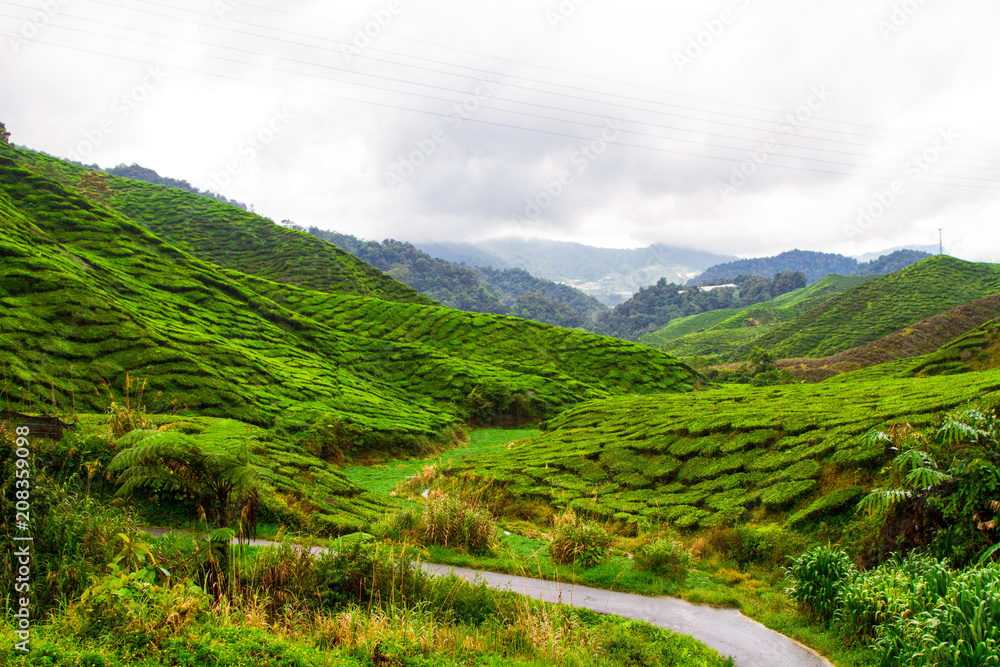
[(90, 296), (785, 454)]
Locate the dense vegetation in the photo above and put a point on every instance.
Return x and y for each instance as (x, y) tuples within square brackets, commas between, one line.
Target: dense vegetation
[(723, 334), (655, 307), (883, 306), (717, 458), (481, 290), (86, 288), (814, 264), (862, 320), (105, 593), (222, 369)]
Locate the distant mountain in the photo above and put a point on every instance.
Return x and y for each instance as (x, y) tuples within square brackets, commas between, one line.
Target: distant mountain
[(610, 275), (480, 290), (926, 249), (814, 264)]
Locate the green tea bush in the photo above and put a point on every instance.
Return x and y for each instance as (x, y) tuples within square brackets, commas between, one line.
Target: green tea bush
[(578, 541), (819, 577)]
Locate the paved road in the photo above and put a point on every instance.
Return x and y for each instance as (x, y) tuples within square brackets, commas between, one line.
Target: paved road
[(729, 632)]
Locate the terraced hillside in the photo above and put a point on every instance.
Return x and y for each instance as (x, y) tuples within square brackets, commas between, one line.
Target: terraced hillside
[(89, 296), (978, 350), (722, 334), (916, 343), (883, 306), (225, 235), (718, 457)]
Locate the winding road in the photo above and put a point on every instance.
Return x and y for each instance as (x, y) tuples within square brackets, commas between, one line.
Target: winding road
[(729, 632)]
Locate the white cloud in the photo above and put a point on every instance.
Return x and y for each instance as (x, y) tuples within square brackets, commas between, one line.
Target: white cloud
[(396, 89)]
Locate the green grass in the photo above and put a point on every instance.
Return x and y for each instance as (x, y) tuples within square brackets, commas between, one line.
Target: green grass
[(383, 477)]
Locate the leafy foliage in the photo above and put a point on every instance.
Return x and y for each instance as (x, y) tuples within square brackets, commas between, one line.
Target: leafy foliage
[(819, 578), (953, 512), (169, 461)]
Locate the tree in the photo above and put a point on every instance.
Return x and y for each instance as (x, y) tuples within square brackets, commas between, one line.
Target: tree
[(166, 461), (4, 134)]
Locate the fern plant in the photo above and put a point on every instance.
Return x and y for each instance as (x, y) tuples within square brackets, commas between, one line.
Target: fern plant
[(169, 461)]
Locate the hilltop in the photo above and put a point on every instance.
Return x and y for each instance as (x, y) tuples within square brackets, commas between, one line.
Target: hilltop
[(883, 306), (814, 264)]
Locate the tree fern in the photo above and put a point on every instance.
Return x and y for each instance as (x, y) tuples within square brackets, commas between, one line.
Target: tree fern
[(170, 461)]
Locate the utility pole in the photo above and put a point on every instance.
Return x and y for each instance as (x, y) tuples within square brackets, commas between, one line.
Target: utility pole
[(940, 241)]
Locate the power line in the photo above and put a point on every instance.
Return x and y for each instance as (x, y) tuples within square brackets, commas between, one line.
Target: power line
[(505, 125)]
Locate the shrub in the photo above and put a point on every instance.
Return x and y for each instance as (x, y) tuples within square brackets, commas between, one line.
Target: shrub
[(819, 577), (454, 521), (577, 541), (665, 556), (755, 545)]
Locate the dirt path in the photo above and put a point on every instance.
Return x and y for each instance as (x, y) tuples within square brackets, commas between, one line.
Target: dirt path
[(729, 632)]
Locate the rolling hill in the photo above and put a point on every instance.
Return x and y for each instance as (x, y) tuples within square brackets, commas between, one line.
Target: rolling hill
[(883, 306), (933, 341), (721, 334), (90, 295)]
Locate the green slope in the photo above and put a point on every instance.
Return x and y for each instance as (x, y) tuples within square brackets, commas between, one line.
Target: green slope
[(227, 236), (975, 351), (718, 457), (88, 295), (883, 306), (724, 333)]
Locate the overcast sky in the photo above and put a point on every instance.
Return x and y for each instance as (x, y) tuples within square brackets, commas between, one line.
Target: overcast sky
[(742, 126)]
